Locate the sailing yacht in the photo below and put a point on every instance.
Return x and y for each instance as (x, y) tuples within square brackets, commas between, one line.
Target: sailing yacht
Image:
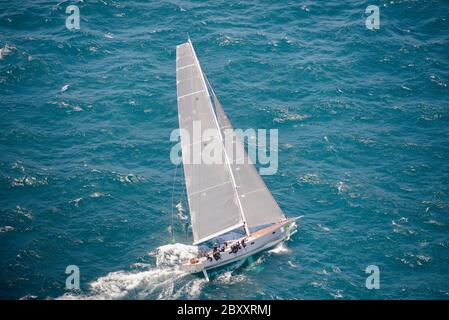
[(224, 198)]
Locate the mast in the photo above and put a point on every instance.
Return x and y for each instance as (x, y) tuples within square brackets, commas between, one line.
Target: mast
[(222, 142)]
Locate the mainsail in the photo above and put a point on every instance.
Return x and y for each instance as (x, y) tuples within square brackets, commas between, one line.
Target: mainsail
[(225, 196), (213, 202)]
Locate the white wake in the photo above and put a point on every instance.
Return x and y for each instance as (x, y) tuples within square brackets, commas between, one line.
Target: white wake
[(163, 281)]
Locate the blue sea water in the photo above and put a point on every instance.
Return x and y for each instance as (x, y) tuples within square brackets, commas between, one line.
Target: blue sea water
[(363, 120)]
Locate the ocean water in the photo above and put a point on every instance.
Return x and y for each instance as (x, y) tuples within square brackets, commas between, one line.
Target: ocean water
[(363, 120)]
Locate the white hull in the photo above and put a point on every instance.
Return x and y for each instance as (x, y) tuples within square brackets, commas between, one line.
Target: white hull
[(256, 242)]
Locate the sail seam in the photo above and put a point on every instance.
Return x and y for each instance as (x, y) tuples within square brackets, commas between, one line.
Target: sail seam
[(249, 192), (190, 94), (197, 142), (184, 67), (209, 188)]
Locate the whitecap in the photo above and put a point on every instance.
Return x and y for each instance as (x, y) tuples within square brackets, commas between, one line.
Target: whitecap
[(19, 166), (406, 88), (317, 284), (129, 178), (5, 51), (434, 222), (341, 187), (28, 297), (337, 294), (279, 249), (438, 81), (310, 178), (229, 278), (323, 272), (324, 228), (336, 269), (27, 181), (228, 40), (76, 201), (287, 145), (6, 229), (423, 258), (65, 87), (24, 212), (285, 116), (96, 194)]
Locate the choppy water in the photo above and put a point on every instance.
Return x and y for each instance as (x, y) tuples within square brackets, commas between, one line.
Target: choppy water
[(363, 119)]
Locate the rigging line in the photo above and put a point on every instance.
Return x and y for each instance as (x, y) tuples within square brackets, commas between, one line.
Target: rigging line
[(184, 195), (184, 202), (185, 199), (172, 206), (210, 86)]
